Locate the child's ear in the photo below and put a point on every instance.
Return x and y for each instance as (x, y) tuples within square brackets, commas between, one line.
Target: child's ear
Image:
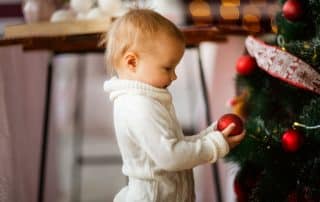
[(131, 60)]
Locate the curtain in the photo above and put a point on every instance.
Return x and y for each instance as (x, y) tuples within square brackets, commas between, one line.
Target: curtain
[(22, 95)]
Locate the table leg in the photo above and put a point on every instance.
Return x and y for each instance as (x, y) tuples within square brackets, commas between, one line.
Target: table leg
[(45, 135), (214, 166), (78, 138)]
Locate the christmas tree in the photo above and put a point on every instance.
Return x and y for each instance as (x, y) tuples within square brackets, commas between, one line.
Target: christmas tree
[(278, 86)]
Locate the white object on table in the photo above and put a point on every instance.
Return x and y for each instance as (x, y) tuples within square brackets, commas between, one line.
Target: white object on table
[(31, 11), (62, 15)]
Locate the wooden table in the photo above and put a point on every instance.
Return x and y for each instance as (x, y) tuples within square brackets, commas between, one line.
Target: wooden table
[(88, 42)]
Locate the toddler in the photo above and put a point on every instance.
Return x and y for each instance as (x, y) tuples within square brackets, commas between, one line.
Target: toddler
[(144, 48)]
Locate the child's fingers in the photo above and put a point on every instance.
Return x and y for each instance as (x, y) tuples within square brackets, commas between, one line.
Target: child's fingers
[(214, 124), (237, 138), (228, 129)]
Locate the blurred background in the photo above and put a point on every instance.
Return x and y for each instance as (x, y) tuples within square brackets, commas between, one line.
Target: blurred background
[(83, 162)]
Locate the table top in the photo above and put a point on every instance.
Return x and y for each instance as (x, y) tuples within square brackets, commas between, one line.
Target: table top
[(88, 41)]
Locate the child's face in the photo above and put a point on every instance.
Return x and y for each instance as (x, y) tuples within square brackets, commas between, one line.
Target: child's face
[(157, 66)]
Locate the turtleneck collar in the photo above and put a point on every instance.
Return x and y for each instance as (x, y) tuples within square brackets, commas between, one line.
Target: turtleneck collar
[(117, 87)]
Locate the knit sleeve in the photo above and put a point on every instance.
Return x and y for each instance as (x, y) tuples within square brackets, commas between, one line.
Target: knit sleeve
[(149, 125), (201, 133)]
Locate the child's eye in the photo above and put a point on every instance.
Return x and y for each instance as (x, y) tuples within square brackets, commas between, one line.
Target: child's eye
[(168, 69)]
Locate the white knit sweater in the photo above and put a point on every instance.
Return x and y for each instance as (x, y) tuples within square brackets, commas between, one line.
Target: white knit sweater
[(157, 157)]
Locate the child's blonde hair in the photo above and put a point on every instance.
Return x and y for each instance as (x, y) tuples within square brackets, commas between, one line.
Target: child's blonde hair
[(133, 29)]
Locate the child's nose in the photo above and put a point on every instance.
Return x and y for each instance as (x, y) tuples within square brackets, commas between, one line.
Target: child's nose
[(173, 76)]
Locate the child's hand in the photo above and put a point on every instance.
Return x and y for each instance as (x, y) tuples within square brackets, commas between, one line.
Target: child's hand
[(233, 140)]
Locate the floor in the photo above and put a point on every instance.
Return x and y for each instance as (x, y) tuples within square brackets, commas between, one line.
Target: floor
[(99, 182)]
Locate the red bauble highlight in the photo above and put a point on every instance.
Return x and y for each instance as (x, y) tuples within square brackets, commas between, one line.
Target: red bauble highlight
[(227, 119), (292, 10), (291, 140), (246, 65)]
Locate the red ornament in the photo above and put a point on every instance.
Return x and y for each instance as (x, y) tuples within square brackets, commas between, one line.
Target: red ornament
[(293, 197), (245, 181), (240, 191), (291, 140), (292, 10), (226, 119), (246, 65)]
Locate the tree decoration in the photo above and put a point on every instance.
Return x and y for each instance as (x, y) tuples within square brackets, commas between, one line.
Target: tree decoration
[(245, 181), (300, 195), (240, 191), (238, 104), (283, 90), (292, 10), (283, 65), (296, 124), (227, 119), (291, 140), (292, 197), (246, 65)]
